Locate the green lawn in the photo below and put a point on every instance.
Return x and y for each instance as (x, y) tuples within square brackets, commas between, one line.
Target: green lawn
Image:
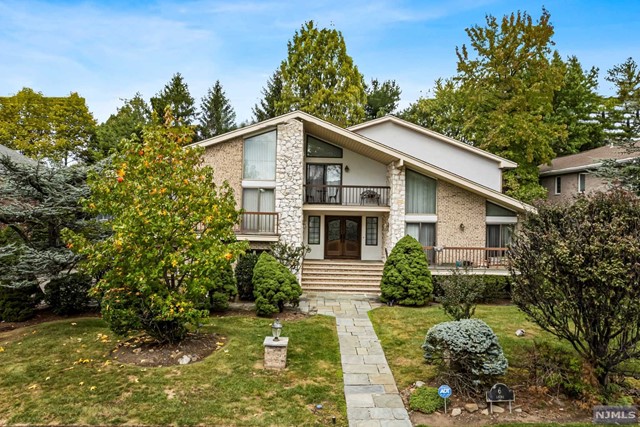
[(401, 331), (44, 378)]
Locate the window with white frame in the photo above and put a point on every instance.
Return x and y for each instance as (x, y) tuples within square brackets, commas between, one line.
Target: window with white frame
[(420, 193), (260, 157)]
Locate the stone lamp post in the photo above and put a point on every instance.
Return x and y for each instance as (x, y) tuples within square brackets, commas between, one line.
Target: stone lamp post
[(275, 348)]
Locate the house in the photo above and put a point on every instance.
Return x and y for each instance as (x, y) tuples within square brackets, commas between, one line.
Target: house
[(351, 194), (568, 176), (15, 156)]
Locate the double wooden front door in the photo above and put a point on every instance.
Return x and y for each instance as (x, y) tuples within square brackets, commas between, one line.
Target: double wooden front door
[(342, 239)]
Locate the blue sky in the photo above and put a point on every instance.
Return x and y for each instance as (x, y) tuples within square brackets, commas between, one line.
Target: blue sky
[(108, 50)]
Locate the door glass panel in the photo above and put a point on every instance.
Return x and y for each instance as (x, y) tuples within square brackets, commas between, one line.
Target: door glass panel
[(351, 230), (333, 230)]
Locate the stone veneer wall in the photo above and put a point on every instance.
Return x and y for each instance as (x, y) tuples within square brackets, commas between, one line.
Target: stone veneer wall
[(394, 230), (226, 161), (457, 206), (289, 181)]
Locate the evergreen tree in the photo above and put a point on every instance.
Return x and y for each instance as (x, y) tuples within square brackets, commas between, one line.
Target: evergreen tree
[(55, 128), (40, 201), (127, 122), (216, 113), (272, 94), (175, 94), (382, 98), (319, 77)]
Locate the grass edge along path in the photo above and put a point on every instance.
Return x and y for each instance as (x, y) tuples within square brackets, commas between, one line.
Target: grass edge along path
[(59, 373)]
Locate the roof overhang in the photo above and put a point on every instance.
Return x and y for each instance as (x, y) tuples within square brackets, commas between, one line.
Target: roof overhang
[(582, 168)]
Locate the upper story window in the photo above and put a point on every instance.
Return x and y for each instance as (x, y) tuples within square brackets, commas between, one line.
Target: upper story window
[(582, 182), (420, 193), (496, 210), (260, 157), (558, 185), (317, 148)]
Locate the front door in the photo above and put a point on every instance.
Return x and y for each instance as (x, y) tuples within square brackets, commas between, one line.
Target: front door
[(342, 238)]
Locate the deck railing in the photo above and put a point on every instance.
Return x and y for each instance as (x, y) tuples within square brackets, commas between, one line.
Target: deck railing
[(346, 195), (458, 256), (258, 223)]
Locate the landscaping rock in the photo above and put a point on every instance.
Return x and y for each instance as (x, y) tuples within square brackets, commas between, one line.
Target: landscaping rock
[(419, 384), (520, 332), (471, 407), (184, 360), (498, 409), (517, 410), (485, 412), (455, 412)]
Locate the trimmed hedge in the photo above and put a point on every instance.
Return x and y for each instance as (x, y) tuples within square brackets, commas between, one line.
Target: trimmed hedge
[(406, 279), (495, 288), (274, 286)]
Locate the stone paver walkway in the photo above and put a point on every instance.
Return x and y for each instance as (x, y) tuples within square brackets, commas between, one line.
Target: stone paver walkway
[(369, 388)]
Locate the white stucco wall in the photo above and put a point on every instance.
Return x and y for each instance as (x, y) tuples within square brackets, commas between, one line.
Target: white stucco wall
[(457, 160)]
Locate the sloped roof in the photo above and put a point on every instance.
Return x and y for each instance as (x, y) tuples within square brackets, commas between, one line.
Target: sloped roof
[(370, 148), (586, 160), (16, 156), (504, 163)]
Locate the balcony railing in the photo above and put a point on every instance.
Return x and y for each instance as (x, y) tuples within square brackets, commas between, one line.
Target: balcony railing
[(460, 257), (258, 223), (346, 195)]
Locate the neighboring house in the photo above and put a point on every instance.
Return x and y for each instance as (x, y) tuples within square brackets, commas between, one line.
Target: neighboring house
[(16, 156), (351, 194), (570, 175)]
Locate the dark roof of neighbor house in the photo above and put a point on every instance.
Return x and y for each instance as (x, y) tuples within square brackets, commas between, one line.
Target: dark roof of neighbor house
[(586, 160), (16, 156)]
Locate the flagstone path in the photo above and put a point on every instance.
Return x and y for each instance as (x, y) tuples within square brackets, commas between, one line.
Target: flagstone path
[(369, 388)]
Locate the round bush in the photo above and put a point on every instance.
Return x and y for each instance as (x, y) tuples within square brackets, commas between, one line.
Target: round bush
[(18, 304), (244, 275), (406, 279), (468, 347), (223, 288), (68, 294), (425, 400), (274, 286)]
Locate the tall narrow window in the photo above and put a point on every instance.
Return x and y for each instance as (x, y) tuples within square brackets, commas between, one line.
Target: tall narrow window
[(372, 231), (420, 193), (499, 235), (558, 184), (323, 183), (582, 182), (425, 233), (313, 237), (260, 157), (259, 206)]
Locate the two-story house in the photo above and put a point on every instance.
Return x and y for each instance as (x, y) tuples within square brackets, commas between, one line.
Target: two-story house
[(351, 194)]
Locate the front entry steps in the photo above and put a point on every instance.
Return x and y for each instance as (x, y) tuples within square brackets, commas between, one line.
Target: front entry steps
[(344, 276)]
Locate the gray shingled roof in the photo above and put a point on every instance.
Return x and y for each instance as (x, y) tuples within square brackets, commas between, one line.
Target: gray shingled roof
[(15, 156), (585, 160)]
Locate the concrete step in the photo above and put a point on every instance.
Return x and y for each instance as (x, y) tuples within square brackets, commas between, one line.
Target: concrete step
[(343, 289)]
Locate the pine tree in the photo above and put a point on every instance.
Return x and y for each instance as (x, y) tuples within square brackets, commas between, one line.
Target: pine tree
[(175, 94), (382, 98), (216, 113), (272, 94), (319, 77)]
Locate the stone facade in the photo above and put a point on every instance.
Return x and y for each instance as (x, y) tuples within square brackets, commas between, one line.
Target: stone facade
[(393, 229), (290, 181), (226, 161), (461, 217), (275, 353)]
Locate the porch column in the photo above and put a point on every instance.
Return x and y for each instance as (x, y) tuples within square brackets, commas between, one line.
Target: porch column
[(395, 229)]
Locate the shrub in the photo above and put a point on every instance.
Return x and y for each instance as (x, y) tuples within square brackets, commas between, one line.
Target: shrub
[(425, 400), (290, 256), (406, 279), (244, 275), (556, 369), (494, 287), (468, 350), (461, 293), (274, 286), (18, 304), (223, 288), (68, 294)]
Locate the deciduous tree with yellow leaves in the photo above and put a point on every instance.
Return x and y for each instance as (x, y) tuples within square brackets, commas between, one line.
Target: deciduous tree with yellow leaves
[(172, 235)]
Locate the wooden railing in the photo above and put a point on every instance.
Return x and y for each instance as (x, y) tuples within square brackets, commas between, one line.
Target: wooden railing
[(258, 223), (346, 195), (460, 257)]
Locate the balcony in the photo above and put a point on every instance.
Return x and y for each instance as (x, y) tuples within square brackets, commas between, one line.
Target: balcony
[(447, 258), (346, 195), (258, 223)]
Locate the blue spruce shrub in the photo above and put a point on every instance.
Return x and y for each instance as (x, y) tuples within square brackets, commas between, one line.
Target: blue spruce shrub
[(468, 347), (274, 285), (406, 279)]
